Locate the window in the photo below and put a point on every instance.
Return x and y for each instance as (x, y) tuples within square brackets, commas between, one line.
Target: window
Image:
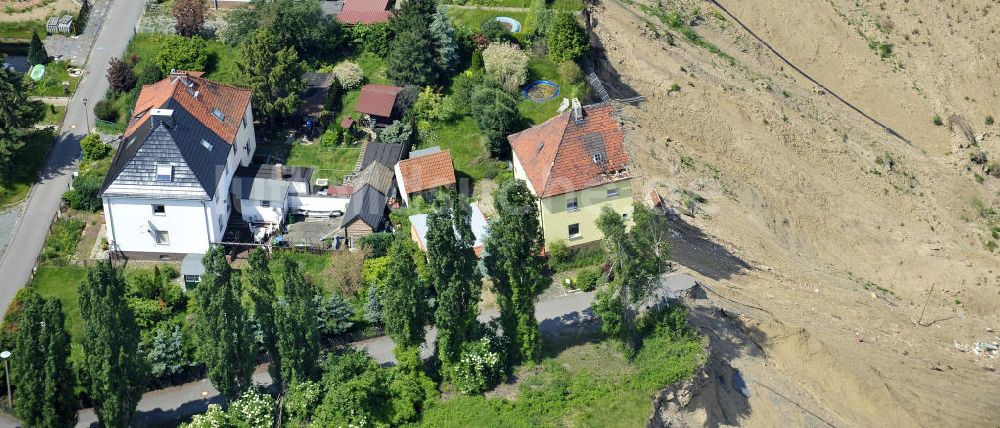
[(624, 216), (219, 114), (244, 124), (164, 173), (162, 237), (574, 230), (159, 210), (221, 226), (206, 144), (613, 192), (571, 205), (191, 281), (265, 203)]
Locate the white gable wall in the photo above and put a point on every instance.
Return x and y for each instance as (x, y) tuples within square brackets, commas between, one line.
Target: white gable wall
[(131, 225)]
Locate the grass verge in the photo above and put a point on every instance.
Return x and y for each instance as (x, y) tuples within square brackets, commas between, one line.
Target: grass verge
[(25, 166)]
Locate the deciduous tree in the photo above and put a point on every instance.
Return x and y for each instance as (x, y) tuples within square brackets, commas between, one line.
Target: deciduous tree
[(116, 369), (222, 327), (452, 270), (513, 261), (17, 115), (121, 78), (507, 63), (404, 305), (190, 17), (297, 325), (183, 53), (262, 294)]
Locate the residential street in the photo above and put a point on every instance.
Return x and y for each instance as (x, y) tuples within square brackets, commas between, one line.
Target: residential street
[(557, 317), (43, 203)]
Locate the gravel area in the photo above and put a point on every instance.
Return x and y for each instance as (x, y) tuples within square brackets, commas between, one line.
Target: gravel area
[(8, 218)]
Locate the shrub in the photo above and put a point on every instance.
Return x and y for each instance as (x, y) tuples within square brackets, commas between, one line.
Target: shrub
[(349, 74), (331, 137), (570, 71), (373, 305), (507, 63), (190, 16), (84, 195), (588, 279), (121, 78), (496, 116), (106, 111), (399, 132), (300, 401), (62, 240), (345, 269), (372, 38), (93, 148), (147, 74), (183, 53), (565, 38), (377, 243), (494, 31), (937, 120), (334, 314), (989, 120), (480, 367), (562, 258)]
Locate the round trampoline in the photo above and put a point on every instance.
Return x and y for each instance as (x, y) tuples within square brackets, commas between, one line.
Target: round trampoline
[(541, 91), (512, 24)]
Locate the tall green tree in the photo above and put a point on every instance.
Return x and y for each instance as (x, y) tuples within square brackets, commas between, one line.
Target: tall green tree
[(636, 258), (224, 340), (60, 400), (17, 115), (28, 370), (262, 294), (444, 39), (116, 369), (496, 116), (566, 40), (299, 24), (413, 58), (297, 325), (513, 260), (452, 270), (274, 75), (404, 304), (36, 50)]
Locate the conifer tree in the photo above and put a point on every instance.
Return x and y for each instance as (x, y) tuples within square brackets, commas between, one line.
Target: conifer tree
[(60, 400), (36, 50), (444, 39), (275, 75), (224, 341), (117, 370), (404, 305)]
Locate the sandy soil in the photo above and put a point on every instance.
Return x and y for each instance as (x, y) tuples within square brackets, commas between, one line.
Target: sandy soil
[(835, 231), (36, 12)]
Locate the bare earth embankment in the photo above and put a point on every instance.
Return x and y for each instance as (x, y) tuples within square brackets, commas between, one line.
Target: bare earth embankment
[(835, 231)]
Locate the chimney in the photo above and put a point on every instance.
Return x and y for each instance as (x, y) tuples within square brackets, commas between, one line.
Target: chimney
[(279, 174), (166, 116), (577, 111)]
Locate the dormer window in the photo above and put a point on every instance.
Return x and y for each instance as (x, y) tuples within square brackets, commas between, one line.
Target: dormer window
[(219, 114), (164, 173), (598, 158)]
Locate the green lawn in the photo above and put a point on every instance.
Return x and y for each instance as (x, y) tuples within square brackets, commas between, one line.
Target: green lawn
[(51, 84), (473, 18), (62, 282), (26, 164), (465, 141), (569, 5), (544, 68), (22, 29), (54, 115), (221, 65), (329, 162), (374, 68), (590, 384)]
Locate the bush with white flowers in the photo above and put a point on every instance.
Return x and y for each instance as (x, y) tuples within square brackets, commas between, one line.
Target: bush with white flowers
[(349, 74), (480, 368)]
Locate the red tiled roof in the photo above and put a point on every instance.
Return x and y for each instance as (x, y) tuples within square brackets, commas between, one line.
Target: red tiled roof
[(230, 100), (427, 172), (562, 156), (340, 190), (377, 99), (364, 12)]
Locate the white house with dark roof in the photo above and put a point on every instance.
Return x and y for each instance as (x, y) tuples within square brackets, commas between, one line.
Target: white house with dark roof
[(167, 192)]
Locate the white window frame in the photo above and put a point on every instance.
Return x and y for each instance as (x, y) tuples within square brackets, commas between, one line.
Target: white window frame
[(576, 204), (165, 236), (266, 204), (164, 170), (613, 192), (163, 209), (570, 232)]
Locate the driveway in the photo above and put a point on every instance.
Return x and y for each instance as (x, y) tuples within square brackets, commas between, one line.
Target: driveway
[(560, 316), (18, 260)]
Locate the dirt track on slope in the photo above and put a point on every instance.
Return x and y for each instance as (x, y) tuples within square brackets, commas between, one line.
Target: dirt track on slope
[(838, 231)]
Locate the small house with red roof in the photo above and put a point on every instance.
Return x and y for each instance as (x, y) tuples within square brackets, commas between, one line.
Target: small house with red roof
[(364, 12), (575, 164), (424, 173), (378, 102)]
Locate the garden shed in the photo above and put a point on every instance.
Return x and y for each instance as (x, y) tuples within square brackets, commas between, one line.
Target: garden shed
[(378, 102)]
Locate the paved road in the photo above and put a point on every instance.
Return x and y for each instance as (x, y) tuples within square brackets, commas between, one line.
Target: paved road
[(560, 316), (18, 260)]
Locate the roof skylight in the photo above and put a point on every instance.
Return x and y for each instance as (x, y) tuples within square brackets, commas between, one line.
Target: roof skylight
[(219, 114)]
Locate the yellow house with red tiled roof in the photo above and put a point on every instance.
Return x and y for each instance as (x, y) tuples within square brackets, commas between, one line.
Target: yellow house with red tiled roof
[(575, 164)]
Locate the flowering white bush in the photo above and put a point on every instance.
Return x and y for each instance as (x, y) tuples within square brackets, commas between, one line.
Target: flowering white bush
[(213, 418), (480, 367), (252, 410), (507, 63), (349, 74)]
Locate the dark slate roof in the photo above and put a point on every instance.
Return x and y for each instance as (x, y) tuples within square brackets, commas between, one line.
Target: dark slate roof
[(368, 205), (316, 92), (176, 141), (384, 153)]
